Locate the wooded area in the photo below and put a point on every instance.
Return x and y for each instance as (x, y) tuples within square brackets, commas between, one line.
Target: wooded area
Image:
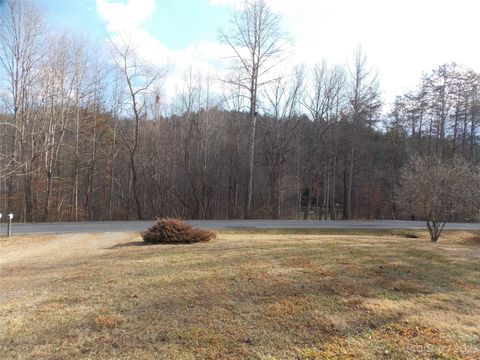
[(84, 136)]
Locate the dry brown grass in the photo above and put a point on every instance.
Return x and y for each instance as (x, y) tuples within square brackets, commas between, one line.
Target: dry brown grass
[(109, 321), (250, 296), (473, 239)]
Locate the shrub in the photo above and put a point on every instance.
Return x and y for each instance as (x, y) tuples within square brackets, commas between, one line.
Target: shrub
[(175, 231)]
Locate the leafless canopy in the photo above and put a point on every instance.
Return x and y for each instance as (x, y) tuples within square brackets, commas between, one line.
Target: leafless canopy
[(257, 42), (440, 191), (258, 45)]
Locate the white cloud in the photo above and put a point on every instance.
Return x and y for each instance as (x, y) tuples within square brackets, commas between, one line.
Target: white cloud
[(127, 20), (233, 3), (122, 16), (402, 39)]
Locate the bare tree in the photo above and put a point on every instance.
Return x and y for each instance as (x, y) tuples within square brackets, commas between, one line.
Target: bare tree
[(140, 78), (440, 191), (323, 100), (259, 45), (279, 138), (116, 106), (364, 99), (58, 87), (81, 90), (21, 36)]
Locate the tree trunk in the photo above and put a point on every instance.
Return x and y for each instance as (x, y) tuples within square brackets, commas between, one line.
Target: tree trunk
[(435, 228), (348, 184), (251, 154)]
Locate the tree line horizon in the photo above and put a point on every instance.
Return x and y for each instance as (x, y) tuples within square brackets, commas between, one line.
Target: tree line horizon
[(86, 139)]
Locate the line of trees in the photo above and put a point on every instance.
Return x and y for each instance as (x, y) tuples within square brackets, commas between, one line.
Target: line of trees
[(84, 138)]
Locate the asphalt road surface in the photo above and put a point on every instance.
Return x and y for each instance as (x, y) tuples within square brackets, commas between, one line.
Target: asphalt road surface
[(131, 226)]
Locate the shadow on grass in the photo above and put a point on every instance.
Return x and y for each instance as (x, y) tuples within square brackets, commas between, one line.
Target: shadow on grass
[(474, 240), (128, 244), (143, 243)]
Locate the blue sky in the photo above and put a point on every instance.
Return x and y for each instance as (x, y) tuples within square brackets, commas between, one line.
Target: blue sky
[(77, 15), (176, 23), (401, 38)]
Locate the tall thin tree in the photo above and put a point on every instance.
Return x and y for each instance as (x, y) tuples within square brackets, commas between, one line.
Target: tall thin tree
[(258, 44)]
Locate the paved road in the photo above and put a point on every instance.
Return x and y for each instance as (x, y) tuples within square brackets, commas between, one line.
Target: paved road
[(116, 226)]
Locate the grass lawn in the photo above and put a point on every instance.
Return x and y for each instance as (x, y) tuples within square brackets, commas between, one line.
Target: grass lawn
[(251, 295)]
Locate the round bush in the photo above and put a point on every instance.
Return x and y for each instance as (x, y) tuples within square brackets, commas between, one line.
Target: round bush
[(175, 231)]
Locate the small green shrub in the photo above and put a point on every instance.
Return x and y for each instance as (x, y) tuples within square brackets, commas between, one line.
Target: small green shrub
[(175, 231)]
